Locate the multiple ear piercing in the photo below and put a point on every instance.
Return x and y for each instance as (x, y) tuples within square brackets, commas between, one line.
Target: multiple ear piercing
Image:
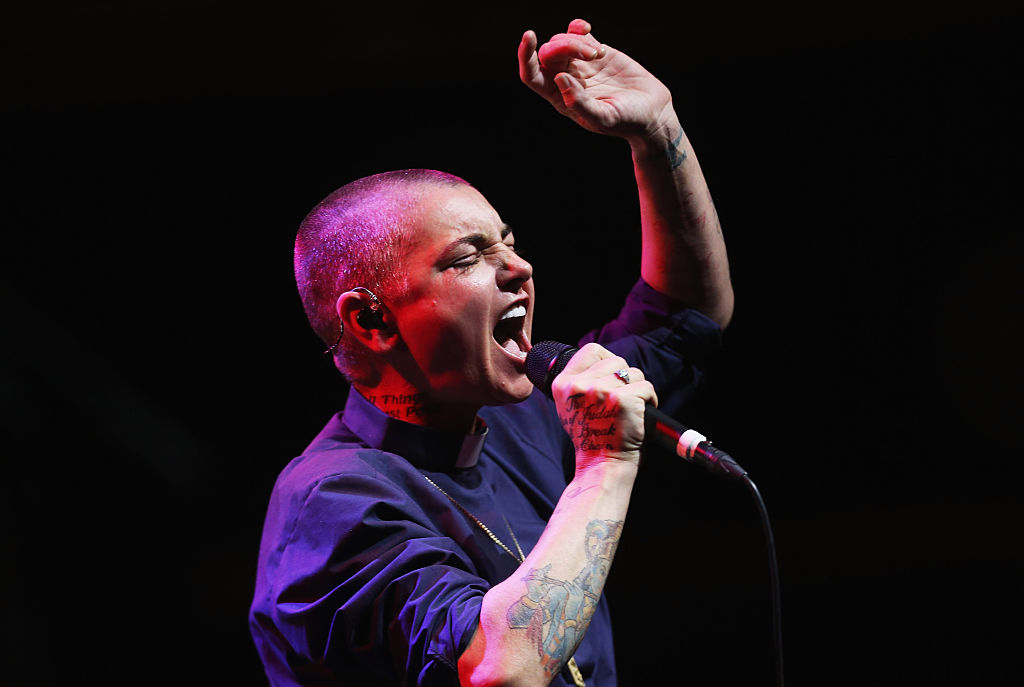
[(369, 317)]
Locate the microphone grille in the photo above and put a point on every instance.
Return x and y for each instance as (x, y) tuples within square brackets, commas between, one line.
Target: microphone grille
[(545, 361)]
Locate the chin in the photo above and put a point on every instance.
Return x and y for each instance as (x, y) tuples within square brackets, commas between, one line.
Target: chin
[(516, 392), (523, 391)]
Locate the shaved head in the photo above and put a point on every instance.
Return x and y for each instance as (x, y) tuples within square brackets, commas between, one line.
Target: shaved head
[(357, 236)]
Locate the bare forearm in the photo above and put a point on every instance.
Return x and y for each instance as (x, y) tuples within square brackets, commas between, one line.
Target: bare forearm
[(683, 252), (608, 92), (556, 588)]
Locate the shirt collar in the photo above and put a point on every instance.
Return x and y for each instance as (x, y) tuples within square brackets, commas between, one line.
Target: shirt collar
[(424, 447)]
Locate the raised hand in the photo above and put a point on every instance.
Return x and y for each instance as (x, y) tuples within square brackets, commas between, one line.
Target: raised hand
[(599, 87)]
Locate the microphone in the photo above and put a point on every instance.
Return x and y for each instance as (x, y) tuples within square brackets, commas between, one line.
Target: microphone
[(547, 359)]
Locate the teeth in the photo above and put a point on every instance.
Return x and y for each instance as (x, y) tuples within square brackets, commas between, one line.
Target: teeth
[(518, 311)]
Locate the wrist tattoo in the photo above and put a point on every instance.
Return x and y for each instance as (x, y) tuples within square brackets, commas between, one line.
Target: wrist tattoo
[(556, 613), (676, 157), (576, 491)]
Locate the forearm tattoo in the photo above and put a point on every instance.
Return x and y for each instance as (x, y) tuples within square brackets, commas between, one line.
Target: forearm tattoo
[(556, 613), (676, 157)]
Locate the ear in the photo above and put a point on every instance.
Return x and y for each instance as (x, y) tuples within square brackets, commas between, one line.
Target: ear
[(367, 320)]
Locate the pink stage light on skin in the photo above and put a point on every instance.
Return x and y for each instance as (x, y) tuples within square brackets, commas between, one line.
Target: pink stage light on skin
[(353, 236)]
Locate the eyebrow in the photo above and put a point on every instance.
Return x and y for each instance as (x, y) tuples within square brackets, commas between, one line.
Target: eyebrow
[(476, 239)]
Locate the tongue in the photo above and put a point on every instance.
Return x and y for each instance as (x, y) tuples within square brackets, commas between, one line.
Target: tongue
[(513, 347)]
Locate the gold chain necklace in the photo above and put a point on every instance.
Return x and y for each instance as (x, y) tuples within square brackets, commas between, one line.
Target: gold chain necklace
[(574, 669)]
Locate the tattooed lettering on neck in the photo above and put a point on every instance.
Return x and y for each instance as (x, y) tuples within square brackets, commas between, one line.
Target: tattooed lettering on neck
[(556, 613), (401, 406)]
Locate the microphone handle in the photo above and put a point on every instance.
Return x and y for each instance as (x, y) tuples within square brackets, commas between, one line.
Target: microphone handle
[(688, 444)]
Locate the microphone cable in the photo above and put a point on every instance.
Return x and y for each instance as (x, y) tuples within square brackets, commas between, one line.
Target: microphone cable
[(773, 572)]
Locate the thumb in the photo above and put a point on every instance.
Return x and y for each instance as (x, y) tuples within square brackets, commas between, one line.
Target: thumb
[(571, 90), (580, 104)]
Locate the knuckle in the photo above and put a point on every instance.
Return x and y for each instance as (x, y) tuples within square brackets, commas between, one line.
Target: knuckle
[(592, 352)]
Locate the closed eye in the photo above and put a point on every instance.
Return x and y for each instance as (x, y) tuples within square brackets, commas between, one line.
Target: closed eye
[(467, 260), (481, 246), (509, 240)]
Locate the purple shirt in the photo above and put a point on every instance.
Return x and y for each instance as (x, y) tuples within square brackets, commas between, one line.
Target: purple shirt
[(368, 575)]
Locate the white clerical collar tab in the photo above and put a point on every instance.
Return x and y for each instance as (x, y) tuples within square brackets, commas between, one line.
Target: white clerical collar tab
[(469, 454)]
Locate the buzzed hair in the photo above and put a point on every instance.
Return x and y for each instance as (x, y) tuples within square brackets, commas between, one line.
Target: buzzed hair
[(357, 236)]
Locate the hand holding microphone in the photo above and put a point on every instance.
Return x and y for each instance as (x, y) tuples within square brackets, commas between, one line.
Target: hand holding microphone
[(548, 359), (600, 402)]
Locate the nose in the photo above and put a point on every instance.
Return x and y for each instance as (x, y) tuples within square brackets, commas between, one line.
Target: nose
[(515, 271)]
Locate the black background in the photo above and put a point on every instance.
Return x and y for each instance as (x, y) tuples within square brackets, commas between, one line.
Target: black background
[(157, 370)]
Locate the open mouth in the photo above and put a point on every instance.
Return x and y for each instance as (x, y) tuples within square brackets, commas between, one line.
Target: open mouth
[(509, 332)]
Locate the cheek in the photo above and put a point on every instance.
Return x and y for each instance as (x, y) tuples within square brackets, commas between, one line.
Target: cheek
[(467, 302), (452, 332)]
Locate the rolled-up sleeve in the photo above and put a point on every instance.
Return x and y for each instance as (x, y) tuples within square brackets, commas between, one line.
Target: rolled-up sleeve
[(672, 344), (363, 576)]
